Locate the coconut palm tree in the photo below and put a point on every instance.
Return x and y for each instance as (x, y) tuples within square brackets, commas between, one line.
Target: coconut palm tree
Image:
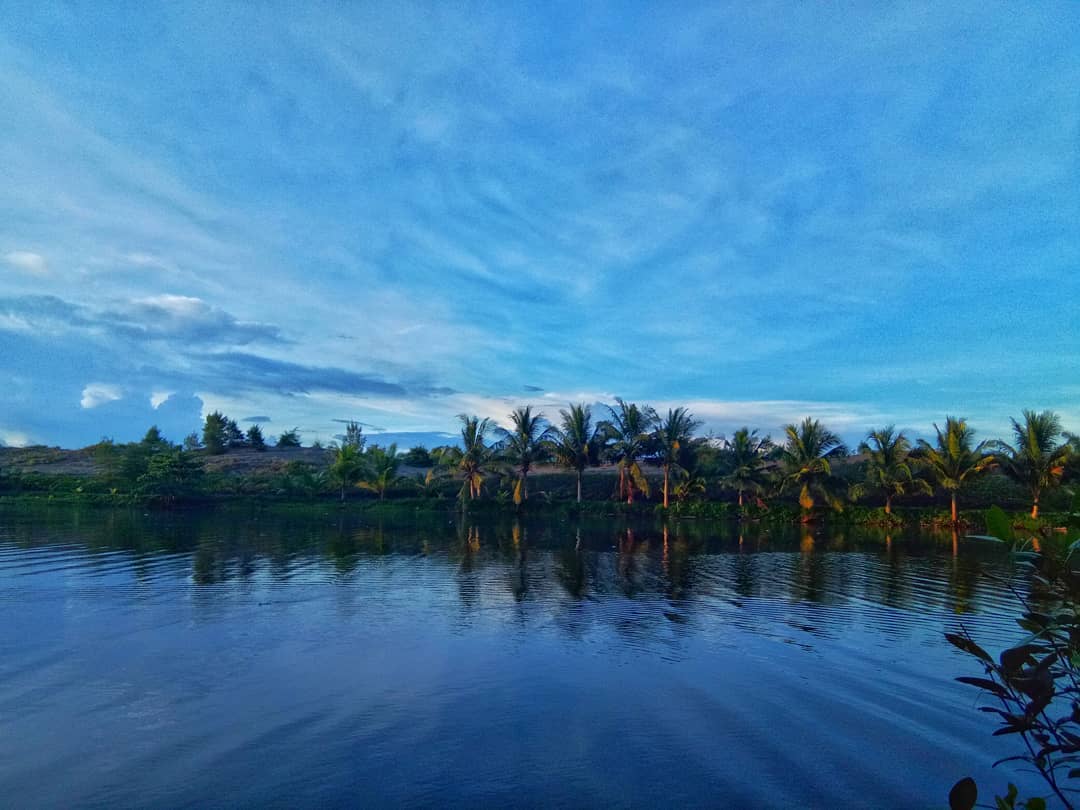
[(527, 442), (953, 460), (381, 467), (889, 467), (475, 457), (672, 436), (746, 458), (629, 431), (806, 458), (347, 467), (578, 442), (1037, 459)]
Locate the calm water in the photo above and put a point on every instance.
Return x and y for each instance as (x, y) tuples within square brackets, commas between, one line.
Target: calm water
[(247, 658)]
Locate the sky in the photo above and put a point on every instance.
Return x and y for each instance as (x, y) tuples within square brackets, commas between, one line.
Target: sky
[(303, 213)]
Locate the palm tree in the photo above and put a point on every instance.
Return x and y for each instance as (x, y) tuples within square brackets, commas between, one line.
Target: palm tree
[(691, 486), (526, 443), (629, 432), (953, 460), (888, 467), (475, 457), (805, 460), (380, 471), (347, 467), (673, 435), (746, 456), (1037, 460), (578, 442)]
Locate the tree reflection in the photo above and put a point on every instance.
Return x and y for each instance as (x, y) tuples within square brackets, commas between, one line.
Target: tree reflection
[(589, 566), (810, 574)]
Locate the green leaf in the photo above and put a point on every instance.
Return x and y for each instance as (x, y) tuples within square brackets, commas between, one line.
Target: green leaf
[(1036, 803), (999, 524), (964, 794)]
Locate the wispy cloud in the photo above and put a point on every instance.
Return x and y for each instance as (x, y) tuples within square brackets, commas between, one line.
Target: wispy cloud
[(349, 213)]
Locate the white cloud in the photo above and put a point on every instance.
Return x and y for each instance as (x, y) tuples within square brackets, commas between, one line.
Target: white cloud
[(180, 306), (95, 394), (33, 263), (157, 398), (13, 438)]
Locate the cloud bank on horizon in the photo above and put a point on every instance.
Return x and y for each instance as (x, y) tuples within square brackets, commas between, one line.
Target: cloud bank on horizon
[(396, 213)]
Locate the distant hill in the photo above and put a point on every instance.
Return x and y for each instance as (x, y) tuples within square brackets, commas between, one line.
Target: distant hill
[(406, 440)]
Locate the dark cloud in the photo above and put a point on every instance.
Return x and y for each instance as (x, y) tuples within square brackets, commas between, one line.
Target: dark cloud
[(162, 317), (357, 421), (239, 371), (41, 311), (81, 348), (534, 388), (192, 320)]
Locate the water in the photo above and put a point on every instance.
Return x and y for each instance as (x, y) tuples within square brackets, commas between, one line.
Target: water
[(245, 658)]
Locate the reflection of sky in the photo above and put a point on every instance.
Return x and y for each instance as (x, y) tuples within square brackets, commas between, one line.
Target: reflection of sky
[(414, 663), (395, 214)]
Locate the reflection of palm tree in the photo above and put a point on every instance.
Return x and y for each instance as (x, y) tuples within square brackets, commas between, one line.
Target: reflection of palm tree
[(520, 584), (674, 433), (578, 442), (629, 432), (805, 459), (572, 572), (1037, 460), (526, 443), (626, 561), (473, 543), (746, 454), (888, 466), (953, 460), (745, 576)]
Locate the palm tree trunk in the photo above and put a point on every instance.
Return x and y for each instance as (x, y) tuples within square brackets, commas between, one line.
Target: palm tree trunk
[(343, 492), (740, 499), (954, 508), (524, 485), (888, 504), (665, 485), (1035, 509), (579, 486)]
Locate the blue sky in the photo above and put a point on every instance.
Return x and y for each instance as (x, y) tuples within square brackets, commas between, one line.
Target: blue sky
[(396, 213)]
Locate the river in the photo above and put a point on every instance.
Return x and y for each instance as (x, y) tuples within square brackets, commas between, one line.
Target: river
[(242, 656)]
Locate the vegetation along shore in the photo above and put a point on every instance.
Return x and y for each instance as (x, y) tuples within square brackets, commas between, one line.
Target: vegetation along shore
[(627, 458)]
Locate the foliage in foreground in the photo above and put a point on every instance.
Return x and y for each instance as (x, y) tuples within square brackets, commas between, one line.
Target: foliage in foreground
[(1035, 685)]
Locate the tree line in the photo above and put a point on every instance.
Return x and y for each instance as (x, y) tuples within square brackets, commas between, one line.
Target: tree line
[(633, 439), (749, 465)]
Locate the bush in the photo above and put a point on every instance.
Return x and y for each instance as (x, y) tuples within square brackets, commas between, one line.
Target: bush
[(1036, 684)]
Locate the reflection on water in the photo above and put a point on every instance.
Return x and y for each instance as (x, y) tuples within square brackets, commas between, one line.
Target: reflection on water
[(167, 658)]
